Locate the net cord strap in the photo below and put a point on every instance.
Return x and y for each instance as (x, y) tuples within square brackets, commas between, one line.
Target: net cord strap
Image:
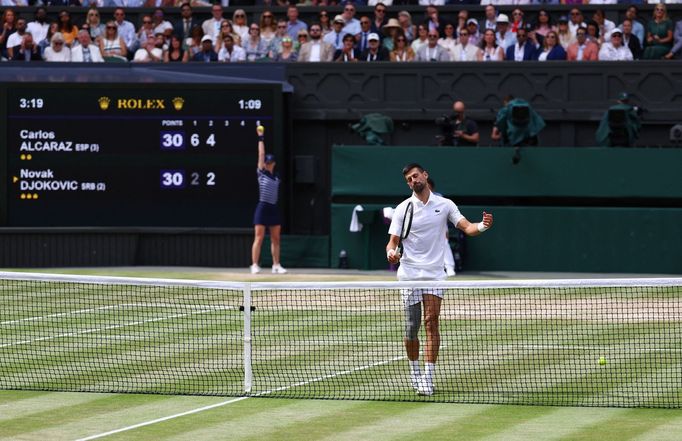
[(248, 370)]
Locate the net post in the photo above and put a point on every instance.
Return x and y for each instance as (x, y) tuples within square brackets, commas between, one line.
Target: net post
[(248, 373)]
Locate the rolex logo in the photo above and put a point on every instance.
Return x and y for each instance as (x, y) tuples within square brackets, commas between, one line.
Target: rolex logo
[(104, 103), (178, 103)]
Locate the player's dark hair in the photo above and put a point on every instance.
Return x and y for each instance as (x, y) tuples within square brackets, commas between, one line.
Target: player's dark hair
[(412, 165)]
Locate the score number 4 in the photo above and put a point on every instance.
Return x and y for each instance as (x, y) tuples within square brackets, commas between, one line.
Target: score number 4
[(176, 140)]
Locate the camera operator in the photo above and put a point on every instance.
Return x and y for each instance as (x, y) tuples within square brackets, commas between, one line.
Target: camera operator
[(458, 129), (620, 125)]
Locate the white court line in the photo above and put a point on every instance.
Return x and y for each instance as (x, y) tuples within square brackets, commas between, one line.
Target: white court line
[(106, 328), (122, 305), (234, 400)]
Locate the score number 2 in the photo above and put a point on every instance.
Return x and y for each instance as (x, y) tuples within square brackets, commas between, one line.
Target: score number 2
[(175, 179), (176, 140)]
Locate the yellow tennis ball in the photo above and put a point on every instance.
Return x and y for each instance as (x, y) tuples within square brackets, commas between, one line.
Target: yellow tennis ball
[(261, 129), (602, 361)]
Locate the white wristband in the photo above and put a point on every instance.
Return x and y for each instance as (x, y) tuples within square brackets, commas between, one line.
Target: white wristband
[(481, 227)]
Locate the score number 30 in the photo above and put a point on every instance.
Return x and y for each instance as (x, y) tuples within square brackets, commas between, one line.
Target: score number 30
[(176, 140), (176, 179)]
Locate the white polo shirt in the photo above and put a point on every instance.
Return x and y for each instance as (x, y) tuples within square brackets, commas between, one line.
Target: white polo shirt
[(423, 252)]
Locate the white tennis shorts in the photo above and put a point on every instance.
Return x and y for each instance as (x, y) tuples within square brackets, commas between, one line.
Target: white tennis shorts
[(413, 296)]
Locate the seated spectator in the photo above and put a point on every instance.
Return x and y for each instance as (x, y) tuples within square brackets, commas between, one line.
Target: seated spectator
[(450, 40), (379, 20), (294, 25), (374, 52), (464, 50), (27, 50), (85, 51), (391, 30), (583, 49), (551, 49), (175, 52), (523, 50), (637, 27), (194, 43), (68, 30), (472, 28), (615, 50), (302, 38), (325, 22), (8, 26), (462, 17), (152, 51), (434, 22), (211, 26), (659, 34), (605, 25), (207, 54), (40, 25), (365, 30), (335, 37), (593, 32), (490, 20), (183, 27), (402, 52), (126, 30), (352, 24), (517, 20), (577, 20), (254, 46), (505, 38), (161, 25), (268, 27), (490, 50), (95, 25), (111, 45), (543, 23), (16, 37), (57, 51), (432, 51), (230, 52), (239, 24), (287, 54), (630, 40), (409, 30), (276, 43), (422, 38), (316, 50), (348, 53), (45, 43), (146, 31), (566, 37)]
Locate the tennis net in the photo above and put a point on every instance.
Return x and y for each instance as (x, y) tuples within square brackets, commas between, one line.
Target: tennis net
[(572, 343)]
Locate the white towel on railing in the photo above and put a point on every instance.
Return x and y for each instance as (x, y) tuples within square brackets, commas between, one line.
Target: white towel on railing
[(355, 225)]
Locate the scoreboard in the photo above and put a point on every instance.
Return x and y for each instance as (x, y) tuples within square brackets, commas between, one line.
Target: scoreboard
[(166, 155)]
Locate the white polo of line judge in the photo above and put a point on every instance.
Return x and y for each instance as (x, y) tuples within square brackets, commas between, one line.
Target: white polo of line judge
[(416, 241)]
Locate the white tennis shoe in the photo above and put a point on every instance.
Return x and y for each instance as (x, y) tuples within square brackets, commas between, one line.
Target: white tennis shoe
[(278, 269), (416, 380), (424, 387), (255, 269)]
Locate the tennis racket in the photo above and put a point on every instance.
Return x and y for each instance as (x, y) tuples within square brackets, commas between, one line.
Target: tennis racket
[(407, 225)]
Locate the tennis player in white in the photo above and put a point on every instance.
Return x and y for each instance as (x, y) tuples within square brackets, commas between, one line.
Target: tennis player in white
[(423, 259)]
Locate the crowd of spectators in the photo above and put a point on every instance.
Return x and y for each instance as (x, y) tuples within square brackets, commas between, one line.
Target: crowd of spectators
[(347, 37)]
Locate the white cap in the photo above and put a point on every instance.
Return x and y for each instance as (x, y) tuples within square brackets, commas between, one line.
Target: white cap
[(339, 18), (373, 36), (206, 38), (502, 18)]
